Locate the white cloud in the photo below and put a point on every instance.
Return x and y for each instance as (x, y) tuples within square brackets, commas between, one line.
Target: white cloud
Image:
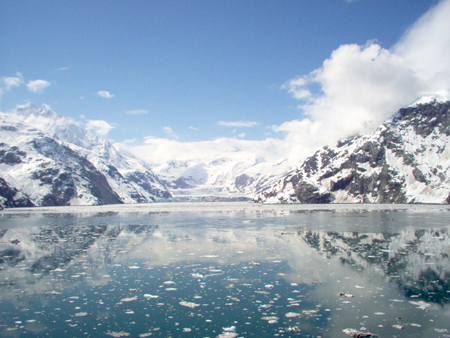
[(136, 112), (37, 86), (12, 82), (99, 127), (426, 47), (361, 86), (238, 124), (160, 150), (105, 94), (169, 131), (7, 83)]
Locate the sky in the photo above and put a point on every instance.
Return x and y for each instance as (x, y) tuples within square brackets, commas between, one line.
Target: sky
[(183, 79)]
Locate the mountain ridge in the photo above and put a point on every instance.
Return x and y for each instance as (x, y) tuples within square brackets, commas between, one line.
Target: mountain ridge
[(47, 159), (406, 160)]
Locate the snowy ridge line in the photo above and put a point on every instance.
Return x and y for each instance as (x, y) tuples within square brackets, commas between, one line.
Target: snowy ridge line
[(406, 160), (47, 160)]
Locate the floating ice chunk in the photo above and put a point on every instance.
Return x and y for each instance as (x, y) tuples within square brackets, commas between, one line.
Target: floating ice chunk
[(129, 299), (229, 329), (197, 275), (292, 314), (396, 326), (358, 334), (227, 335), (80, 314), (421, 305), (129, 312), (118, 334), (149, 296), (187, 329), (143, 335), (189, 304), (169, 282)]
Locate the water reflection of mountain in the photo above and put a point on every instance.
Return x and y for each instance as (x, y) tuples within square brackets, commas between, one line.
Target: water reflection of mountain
[(33, 258), (417, 260)]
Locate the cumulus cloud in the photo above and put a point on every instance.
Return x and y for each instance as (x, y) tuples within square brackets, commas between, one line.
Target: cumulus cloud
[(37, 86), (99, 127), (160, 150), (354, 91), (105, 94), (238, 124), (169, 131), (7, 83), (136, 112), (361, 86)]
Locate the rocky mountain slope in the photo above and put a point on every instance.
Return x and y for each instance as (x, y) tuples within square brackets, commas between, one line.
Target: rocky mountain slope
[(406, 160), (47, 160)]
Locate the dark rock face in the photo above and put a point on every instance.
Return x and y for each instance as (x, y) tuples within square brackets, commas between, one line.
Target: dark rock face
[(12, 197), (243, 181), (403, 161), (65, 165)]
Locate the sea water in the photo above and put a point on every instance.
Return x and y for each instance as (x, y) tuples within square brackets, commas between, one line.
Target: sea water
[(225, 270)]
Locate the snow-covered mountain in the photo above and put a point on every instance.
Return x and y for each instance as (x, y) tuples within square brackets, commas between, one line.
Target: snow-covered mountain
[(46, 159), (220, 178), (406, 160)]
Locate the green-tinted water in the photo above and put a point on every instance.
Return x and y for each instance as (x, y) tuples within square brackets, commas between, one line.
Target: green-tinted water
[(225, 274)]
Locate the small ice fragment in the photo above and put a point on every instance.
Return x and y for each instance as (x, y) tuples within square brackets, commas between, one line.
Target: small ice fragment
[(379, 313), (421, 305), (189, 304), (229, 329), (118, 334), (396, 326), (134, 267), (358, 334), (129, 299), (143, 335), (441, 330), (129, 312), (171, 289), (292, 314), (54, 293), (268, 286), (187, 329), (169, 282), (147, 295), (80, 314)]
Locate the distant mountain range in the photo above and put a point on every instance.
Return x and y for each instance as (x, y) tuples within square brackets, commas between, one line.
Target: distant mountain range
[(49, 160)]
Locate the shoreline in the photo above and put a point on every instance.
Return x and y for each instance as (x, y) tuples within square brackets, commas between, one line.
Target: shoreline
[(217, 207)]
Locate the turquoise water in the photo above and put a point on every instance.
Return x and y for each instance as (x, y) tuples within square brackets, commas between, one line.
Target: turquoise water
[(225, 274)]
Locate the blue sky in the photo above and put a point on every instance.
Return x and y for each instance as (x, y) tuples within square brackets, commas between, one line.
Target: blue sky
[(191, 71)]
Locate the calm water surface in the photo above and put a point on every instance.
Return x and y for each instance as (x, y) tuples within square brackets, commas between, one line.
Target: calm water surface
[(272, 273)]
